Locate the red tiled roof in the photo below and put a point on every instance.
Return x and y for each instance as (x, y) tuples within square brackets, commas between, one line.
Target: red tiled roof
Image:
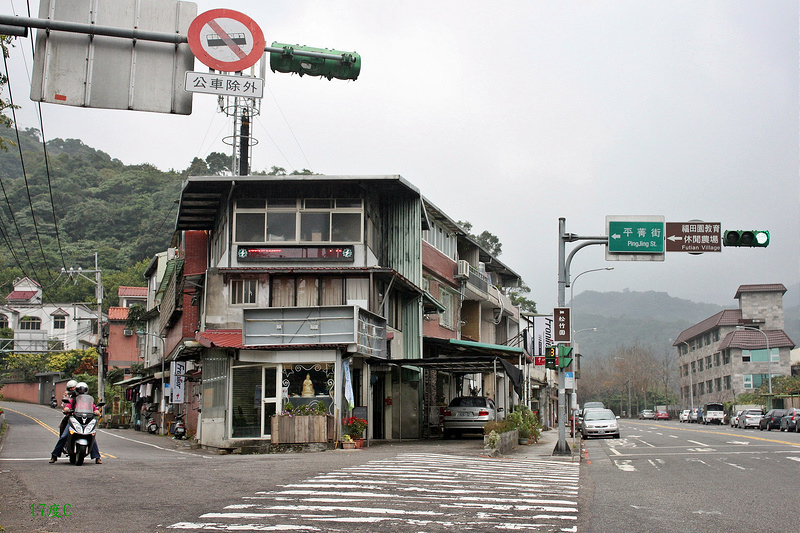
[(220, 338), (748, 339), (726, 317), (132, 291), (764, 287), (21, 295), (118, 313)]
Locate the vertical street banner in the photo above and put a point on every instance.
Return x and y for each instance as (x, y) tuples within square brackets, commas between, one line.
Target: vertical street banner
[(542, 337), (177, 371)]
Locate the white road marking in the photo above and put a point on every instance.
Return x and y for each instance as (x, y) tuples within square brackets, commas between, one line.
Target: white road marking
[(698, 443)]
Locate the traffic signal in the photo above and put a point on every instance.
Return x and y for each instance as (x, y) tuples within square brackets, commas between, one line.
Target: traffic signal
[(755, 238), (551, 357), (564, 356), (292, 59)]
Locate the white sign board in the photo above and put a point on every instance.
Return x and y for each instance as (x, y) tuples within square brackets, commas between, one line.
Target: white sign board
[(112, 72), (223, 84), (569, 380), (543, 331), (177, 378)]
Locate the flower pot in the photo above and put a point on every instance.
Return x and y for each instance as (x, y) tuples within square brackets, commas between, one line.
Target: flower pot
[(523, 441), (359, 443), (347, 445)]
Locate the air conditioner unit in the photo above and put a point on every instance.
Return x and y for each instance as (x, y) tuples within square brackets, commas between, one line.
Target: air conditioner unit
[(127, 332), (463, 269)]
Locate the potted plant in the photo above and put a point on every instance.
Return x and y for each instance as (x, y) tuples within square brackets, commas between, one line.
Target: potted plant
[(354, 428)]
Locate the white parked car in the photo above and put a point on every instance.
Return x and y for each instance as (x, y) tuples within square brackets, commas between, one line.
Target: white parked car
[(735, 419), (684, 416)]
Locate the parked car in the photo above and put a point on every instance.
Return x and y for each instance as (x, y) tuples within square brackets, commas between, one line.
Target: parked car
[(790, 419), (579, 421), (684, 416), (468, 414), (771, 420), (735, 419), (647, 414), (662, 415), (600, 423), (750, 418), (693, 414), (593, 405)]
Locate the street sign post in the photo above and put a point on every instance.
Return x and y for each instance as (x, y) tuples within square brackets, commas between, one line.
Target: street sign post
[(694, 237), (561, 317), (226, 40), (635, 238)]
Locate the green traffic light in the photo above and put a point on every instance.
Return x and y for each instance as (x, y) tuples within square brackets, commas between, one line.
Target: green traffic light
[(749, 238), (293, 59)]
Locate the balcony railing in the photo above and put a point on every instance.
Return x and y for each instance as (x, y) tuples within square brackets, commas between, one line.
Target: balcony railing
[(293, 326)]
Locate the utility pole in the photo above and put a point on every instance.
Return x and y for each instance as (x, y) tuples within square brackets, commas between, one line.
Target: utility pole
[(98, 291), (564, 262)]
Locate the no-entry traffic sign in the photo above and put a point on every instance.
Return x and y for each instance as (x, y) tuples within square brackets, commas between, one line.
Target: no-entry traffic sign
[(226, 40)]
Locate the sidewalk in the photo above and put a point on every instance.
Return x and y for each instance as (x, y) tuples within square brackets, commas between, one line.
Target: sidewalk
[(546, 444)]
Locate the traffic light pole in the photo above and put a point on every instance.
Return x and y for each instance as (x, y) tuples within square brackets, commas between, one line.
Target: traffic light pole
[(564, 262)]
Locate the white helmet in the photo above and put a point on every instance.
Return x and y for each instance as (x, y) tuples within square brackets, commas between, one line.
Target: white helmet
[(71, 384), (82, 388)]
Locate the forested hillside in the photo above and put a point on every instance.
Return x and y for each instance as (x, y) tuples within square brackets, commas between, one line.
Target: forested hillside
[(58, 213)]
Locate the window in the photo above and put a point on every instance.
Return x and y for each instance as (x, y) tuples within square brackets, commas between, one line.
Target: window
[(447, 318), (59, 322), (718, 384), (694, 369), (3, 321), (726, 357), (701, 388), (717, 359), (708, 362), (726, 381), (709, 386), (243, 291), (313, 291), (30, 322), (309, 220), (754, 381)]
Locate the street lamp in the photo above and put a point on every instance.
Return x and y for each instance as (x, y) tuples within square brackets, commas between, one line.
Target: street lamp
[(769, 357), (163, 376), (689, 371)]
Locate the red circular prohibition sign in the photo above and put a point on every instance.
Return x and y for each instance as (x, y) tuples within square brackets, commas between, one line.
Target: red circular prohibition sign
[(224, 48)]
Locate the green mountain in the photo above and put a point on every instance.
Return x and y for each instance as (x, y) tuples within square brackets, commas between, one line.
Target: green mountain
[(57, 213), (650, 319)]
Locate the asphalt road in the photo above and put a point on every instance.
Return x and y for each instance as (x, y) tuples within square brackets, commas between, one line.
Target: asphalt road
[(678, 477), (149, 483)]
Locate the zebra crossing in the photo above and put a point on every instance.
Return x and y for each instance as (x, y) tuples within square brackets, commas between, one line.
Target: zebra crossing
[(418, 492)]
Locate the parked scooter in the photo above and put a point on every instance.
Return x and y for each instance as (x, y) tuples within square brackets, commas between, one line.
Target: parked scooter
[(152, 427), (179, 432), (82, 429), (53, 402)]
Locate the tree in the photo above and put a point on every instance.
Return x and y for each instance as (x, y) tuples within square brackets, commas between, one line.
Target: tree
[(486, 240), (5, 120), (518, 297), (218, 163)]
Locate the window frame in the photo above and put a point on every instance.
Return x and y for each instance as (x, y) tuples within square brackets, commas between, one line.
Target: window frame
[(236, 294), (335, 208)]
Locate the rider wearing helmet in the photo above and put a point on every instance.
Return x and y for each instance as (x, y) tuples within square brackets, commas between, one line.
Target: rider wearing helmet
[(94, 453)]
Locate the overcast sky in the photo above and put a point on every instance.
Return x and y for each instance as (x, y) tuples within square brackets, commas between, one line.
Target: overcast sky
[(512, 115)]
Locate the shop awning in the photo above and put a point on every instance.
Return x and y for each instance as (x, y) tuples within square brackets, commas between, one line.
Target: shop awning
[(468, 357)]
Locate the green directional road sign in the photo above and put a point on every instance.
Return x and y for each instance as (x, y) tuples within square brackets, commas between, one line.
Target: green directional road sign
[(635, 237)]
